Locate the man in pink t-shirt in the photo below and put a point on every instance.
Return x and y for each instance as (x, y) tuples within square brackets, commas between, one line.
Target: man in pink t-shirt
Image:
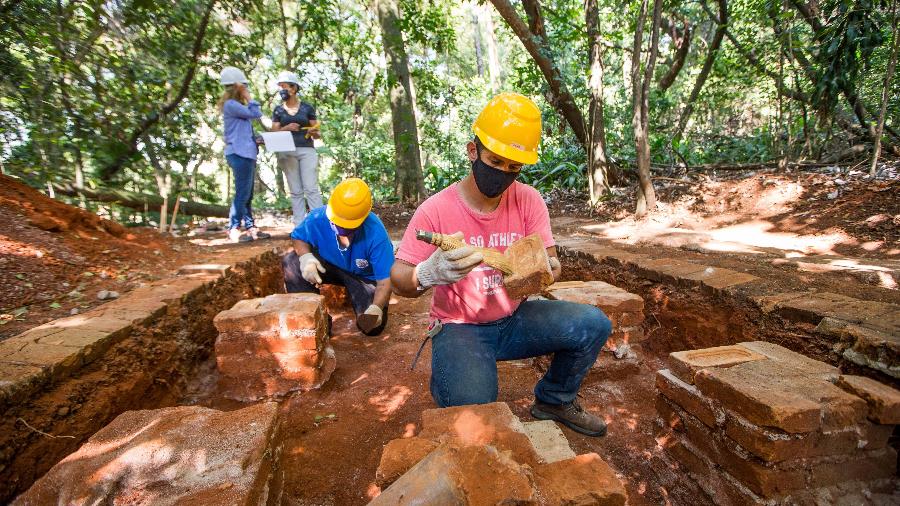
[(479, 324)]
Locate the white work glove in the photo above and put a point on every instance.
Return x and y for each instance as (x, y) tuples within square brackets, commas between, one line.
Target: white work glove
[(310, 267), (447, 267), (554, 264), (370, 319)]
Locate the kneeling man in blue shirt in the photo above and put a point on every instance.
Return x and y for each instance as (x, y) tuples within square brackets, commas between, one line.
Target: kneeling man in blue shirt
[(345, 244)]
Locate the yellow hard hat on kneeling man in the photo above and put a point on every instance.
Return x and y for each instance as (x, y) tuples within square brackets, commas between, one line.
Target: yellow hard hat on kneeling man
[(510, 126), (350, 203)]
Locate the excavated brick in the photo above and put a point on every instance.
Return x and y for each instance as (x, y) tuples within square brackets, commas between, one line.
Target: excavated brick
[(787, 434), (530, 265), (273, 346), (483, 424), (399, 455), (465, 475), (772, 394), (611, 299), (483, 454), (688, 397), (178, 455), (883, 401), (584, 479), (686, 364), (799, 364)]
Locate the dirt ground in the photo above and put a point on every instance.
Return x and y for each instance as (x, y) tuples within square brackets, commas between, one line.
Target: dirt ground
[(334, 436), (55, 258)]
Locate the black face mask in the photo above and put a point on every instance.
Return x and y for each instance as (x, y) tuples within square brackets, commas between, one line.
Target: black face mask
[(490, 181), (285, 94)]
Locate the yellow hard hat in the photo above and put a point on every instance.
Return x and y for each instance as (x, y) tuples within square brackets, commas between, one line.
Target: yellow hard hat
[(349, 203), (510, 126)]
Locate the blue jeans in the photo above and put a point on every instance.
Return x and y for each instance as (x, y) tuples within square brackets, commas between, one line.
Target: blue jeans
[(464, 356), (244, 170)]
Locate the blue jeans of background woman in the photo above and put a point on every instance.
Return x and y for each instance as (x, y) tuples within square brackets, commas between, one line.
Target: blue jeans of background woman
[(301, 169), (244, 171)]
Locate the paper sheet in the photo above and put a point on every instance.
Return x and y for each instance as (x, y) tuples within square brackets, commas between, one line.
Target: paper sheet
[(278, 141)]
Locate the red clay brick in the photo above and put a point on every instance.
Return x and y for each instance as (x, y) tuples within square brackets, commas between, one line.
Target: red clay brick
[(771, 394), (883, 401), (611, 299), (584, 479), (626, 335), (688, 397), (399, 455), (481, 424), (764, 479), (461, 475), (254, 383), (178, 455), (18, 379), (669, 418), (773, 445), (722, 488), (215, 269), (285, 313), (866, 466), (530, 265), (685, 364), (797, 363)]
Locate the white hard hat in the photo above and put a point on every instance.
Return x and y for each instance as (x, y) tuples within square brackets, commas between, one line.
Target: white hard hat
[(288, 77), (232, 75)]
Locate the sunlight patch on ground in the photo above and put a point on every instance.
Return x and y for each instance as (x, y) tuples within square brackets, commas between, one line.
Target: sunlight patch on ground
[(388, 402)]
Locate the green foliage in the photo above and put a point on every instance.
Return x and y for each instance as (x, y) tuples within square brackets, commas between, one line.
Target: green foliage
[(81, 79)]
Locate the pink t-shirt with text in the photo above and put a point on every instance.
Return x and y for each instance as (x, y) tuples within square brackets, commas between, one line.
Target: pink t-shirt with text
[(479, 297)]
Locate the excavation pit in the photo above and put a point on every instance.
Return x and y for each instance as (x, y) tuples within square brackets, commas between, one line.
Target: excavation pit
[(374, 397)]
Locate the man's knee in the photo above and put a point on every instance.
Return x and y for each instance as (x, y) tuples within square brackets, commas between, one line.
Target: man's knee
[(464, 396), (594, 325), (290, 262)]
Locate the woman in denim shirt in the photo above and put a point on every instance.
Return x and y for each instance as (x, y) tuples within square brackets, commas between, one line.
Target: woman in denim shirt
[(238, 112)]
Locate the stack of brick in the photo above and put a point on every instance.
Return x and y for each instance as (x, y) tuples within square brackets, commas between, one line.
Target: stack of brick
[(483, 454), (273, 346), (756, 423), (625, 310), (178, 455)]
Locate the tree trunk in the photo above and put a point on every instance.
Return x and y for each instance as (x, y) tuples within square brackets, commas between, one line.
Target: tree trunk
[(598, 165), (889, 73), (493, 56), (476, 35), (539, 49), (409, 181), (138, 201), (722, 24), (640, 87), (684, 45)]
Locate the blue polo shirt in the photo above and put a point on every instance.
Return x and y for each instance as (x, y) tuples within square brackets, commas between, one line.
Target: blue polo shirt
[(369, 256)]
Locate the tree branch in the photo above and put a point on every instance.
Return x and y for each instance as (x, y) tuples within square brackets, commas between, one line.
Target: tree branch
[(144, 126)]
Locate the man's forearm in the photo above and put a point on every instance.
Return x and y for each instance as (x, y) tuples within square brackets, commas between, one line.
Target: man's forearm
[(402, 280), (301, 247), (382, 293)]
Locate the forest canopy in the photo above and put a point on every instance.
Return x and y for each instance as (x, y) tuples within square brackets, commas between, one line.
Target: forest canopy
[(121, 95)]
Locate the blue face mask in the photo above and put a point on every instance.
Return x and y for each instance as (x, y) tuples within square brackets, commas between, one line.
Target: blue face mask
[(343, 232)]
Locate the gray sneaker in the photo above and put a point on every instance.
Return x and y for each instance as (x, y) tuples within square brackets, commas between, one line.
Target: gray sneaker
[(572, 415)]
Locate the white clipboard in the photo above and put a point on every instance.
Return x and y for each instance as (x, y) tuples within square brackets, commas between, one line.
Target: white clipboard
[(279, 141)]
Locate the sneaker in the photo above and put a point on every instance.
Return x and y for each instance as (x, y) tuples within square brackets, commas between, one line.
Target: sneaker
[(572, 415), (234, 235), (256, 233)]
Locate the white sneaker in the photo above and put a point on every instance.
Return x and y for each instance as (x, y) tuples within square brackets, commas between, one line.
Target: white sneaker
[(234, 235)]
